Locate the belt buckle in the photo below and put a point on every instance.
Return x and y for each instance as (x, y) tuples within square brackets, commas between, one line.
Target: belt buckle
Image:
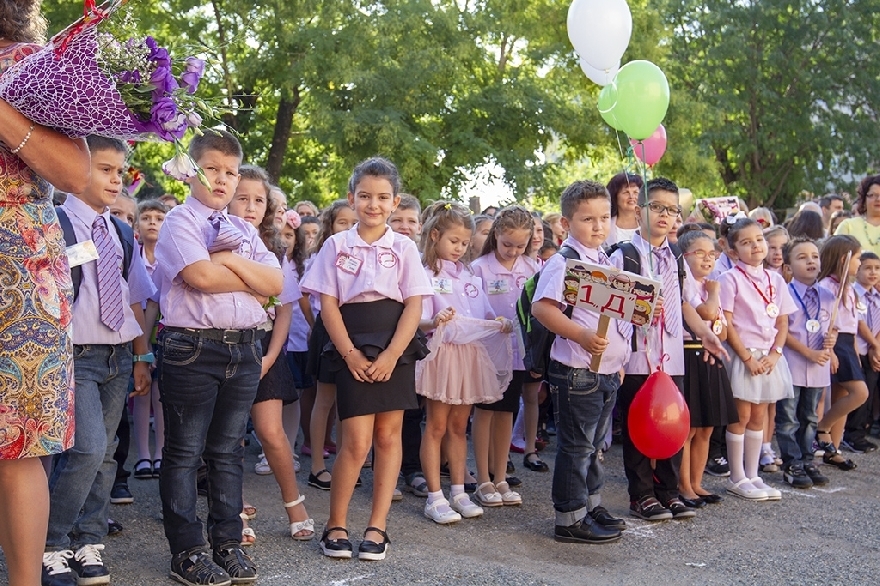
[(231, 336)]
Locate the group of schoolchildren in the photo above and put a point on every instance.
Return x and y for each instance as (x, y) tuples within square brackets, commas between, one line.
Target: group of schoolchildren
[(402, 319)]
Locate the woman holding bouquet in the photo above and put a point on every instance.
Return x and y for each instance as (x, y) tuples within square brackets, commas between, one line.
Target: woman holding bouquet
[(36, 394)]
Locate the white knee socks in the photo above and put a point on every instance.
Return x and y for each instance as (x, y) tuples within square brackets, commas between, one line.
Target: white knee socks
[(752, 451), (735, 456)]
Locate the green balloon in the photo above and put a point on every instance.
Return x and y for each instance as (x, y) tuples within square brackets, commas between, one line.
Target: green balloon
[(642, 98), (607, 104)]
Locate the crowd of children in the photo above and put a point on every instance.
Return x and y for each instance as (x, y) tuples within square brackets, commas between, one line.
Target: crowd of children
[(399, 328)]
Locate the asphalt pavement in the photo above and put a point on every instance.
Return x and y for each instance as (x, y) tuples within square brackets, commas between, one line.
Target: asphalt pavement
[(824, 536)]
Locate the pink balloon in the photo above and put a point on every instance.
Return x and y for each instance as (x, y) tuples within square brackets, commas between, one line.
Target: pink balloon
[(654, 146)]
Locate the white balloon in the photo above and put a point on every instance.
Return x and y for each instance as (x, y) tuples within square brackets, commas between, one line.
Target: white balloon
[(600, 30), (600, 76)]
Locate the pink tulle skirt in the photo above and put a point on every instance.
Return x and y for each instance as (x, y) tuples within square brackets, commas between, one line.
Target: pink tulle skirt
[(470, 362)]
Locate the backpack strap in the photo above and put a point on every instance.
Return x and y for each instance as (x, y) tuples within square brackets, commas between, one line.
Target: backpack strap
[(126, 237), (70, 240), (569, 253)]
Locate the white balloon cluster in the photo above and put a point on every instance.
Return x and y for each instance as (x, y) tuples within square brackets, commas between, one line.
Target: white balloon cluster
[(600, 31)]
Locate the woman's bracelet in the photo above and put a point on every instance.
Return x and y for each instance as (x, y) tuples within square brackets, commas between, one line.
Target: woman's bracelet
[(345, 356), (23, 142)]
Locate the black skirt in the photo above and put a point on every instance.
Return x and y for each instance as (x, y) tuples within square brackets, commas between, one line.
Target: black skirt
[(850, 368), (370, 327), (509, 402), (278, 382), (707, 391), (316, 366)]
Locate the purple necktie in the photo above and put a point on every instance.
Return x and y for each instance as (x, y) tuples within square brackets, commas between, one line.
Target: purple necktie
[(811, 302), (226, 236), (671, 301), (109, 276), (873, 300)]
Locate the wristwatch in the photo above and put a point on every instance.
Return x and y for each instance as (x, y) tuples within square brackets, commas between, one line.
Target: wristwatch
[(143, 357), (778, 350)]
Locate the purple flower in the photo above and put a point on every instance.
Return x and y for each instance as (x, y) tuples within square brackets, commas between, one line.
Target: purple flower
[(130, 77), (194, 120), (166, 120), (195, 69), (163, 81), (158, 55)]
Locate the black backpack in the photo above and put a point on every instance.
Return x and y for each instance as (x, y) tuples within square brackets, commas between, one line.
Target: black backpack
[(536, 338), (632, 263), (123, 230)]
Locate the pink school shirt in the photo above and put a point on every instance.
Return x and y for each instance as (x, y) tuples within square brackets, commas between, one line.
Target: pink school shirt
[(805, 373), (353, 271), (458, 287), (756, 329), (87, 325), (864, 299), (183, 240), (551, 286), (695, 294), (663, 347), (847, 313), (503, 288)]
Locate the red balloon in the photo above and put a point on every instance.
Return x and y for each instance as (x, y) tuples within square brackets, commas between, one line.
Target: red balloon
[(659, 420), (651, 149)]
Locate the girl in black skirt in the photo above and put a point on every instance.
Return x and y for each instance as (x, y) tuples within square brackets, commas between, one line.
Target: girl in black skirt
[(371, 284), (848, 389), (706, 386)]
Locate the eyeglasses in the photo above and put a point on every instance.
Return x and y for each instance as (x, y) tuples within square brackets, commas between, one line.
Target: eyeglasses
[(874, 195), (703, 254), (659, 208)]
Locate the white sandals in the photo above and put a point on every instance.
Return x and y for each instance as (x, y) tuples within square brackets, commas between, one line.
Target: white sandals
[(307, 525)]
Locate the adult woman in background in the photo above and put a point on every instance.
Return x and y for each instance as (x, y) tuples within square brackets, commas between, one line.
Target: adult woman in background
[(624, 189), (866, 227), (36, 391)]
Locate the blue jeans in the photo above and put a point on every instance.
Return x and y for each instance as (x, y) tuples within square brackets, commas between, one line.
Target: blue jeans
[(796, 425), (80, 483), (207, 390), (583, 402)]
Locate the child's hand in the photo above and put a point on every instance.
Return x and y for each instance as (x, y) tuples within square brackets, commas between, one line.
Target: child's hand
[(266, 365), (658, 310), (382, 369), (830, 339), (506, 325), (443, 316), (835, 363), (769, 362), (358, 364), (712, 287), (820, 357), (755, 367), (219, 258), (142, 380), (592, 342)]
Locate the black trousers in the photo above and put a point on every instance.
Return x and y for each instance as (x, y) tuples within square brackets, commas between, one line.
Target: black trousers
[(644, 481), (412, 441), (858, 422)]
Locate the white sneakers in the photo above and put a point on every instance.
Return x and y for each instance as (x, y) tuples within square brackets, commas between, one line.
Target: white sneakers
[(462, 504), (440, 512), (753, 489)]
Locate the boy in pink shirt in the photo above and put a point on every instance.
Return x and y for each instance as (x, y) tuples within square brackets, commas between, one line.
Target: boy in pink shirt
[(216, 275)]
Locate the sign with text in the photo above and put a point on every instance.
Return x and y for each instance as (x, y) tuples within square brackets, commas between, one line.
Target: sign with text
[(715, 209), (609, 292)]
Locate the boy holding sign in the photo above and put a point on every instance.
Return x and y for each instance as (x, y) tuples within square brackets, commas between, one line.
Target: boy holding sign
[(654, 492), (583, 397)]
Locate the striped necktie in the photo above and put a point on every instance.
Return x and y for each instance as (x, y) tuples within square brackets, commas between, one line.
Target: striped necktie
[(226, 236), (109, 276), (671, 307), (811, 302)]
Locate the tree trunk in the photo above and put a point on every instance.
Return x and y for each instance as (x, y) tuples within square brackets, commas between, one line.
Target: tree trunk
[(281, 136)]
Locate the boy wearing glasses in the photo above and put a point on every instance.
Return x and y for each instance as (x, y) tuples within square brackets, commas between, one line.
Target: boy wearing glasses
[(654, 494)]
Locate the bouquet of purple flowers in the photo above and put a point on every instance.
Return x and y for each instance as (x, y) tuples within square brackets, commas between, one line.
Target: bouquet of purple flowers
[(90, 80)]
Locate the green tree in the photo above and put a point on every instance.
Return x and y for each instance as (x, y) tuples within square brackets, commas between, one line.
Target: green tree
[(785, 90)]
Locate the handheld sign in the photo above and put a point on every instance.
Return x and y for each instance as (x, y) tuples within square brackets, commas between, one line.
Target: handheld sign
[(611, 294)]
